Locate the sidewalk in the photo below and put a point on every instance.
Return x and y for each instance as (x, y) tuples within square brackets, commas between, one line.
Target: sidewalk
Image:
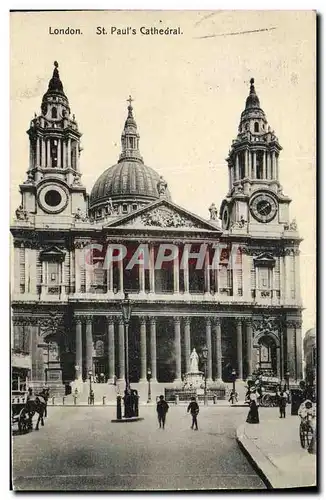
[(274, 448)]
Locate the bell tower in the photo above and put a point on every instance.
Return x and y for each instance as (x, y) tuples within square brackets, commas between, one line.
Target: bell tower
[(255, 197), (53, 183)]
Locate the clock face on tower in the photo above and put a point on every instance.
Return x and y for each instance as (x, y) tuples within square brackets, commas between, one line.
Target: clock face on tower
[(263, 207)]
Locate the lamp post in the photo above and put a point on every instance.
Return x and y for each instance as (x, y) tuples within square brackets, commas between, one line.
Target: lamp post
[(149, 376), (126, 315), (234, 376), (205, 356)]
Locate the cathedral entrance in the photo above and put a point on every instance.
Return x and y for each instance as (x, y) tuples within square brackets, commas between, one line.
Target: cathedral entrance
[(267, 356)]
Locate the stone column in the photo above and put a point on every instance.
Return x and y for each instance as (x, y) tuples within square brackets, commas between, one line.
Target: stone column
[(43, 155), (59, 154), (249, 164), (177, 343), (78, 263), (249, 346), (27, 251), (38, 163), (153, 349), (298, 345), (111, 346), (63, 279), (230, 179), (121, 374), (89, 344), (209, 347), (48, 153), (246, 162), (141, 272), (64, 155), (287, 265), (187, 343), (185, 258), (37, 357), (264, 164), (143, 350), (237, 173), (278, 361), (254, 165), (291, 348), (109, 278), (246, 277), (297, 275), (176, 286), (239, 348), (69, 152), (151, 269), (273, 163), (120, 264), (79, 348), (218, 336), (207, 274)]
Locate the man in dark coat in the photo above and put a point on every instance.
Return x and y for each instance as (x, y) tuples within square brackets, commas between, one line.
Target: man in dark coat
[(282, 400), (193, 408), (162, 408)]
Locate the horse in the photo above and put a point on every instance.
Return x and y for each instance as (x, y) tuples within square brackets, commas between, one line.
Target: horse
[(36, 404), (45, 394)]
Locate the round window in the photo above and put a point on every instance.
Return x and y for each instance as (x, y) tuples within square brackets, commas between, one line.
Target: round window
[(52, 198)]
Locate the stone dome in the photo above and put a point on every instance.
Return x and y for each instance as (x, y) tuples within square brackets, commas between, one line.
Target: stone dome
[(129, 184), (126, 180)]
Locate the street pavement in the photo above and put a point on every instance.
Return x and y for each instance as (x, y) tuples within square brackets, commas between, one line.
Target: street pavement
[(81, 449), (274, 447)]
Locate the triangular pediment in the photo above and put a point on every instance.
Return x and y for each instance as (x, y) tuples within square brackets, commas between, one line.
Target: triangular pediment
[(52, 253), (264, 259), (165, 215)]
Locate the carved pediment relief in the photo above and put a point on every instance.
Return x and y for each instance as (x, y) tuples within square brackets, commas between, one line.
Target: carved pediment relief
[(166, 216)]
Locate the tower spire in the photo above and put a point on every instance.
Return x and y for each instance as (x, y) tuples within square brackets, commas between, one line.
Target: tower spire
[(130, 137), (252, 99), (55, 84)]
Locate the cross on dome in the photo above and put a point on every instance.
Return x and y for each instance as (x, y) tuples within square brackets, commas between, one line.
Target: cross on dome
[(130, 100)]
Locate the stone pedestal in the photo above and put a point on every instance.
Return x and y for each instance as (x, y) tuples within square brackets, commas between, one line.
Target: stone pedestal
[(193, 380)]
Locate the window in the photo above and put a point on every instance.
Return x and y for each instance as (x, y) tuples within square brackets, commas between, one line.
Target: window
[(124, 209), (134, 207), (53, 273), (54, 152), (264, 281), (54, 113), (256, 127)]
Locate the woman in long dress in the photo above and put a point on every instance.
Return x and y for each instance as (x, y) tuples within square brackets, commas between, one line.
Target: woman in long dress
[(253, 415)]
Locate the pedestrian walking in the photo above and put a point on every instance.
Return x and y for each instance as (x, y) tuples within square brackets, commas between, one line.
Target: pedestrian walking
[(253, 415), (193, 408), (162, 408), (282, 401), (233, 397), (91, 397)]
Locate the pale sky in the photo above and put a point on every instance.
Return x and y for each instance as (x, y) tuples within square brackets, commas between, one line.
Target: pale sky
[(189, 93)]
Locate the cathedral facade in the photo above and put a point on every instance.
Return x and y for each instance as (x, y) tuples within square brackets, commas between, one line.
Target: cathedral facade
[(229, 282)]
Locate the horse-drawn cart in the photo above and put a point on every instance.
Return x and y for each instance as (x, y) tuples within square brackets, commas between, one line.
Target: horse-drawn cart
[(20, 417)]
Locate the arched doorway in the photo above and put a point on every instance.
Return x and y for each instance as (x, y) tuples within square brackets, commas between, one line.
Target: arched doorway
[(266, 354)]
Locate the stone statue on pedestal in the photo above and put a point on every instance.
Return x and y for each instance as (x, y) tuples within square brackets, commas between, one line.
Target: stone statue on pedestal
[(194, 361)]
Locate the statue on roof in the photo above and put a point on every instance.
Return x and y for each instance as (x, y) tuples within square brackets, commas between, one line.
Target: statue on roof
[(162, 186), (213, 211)]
